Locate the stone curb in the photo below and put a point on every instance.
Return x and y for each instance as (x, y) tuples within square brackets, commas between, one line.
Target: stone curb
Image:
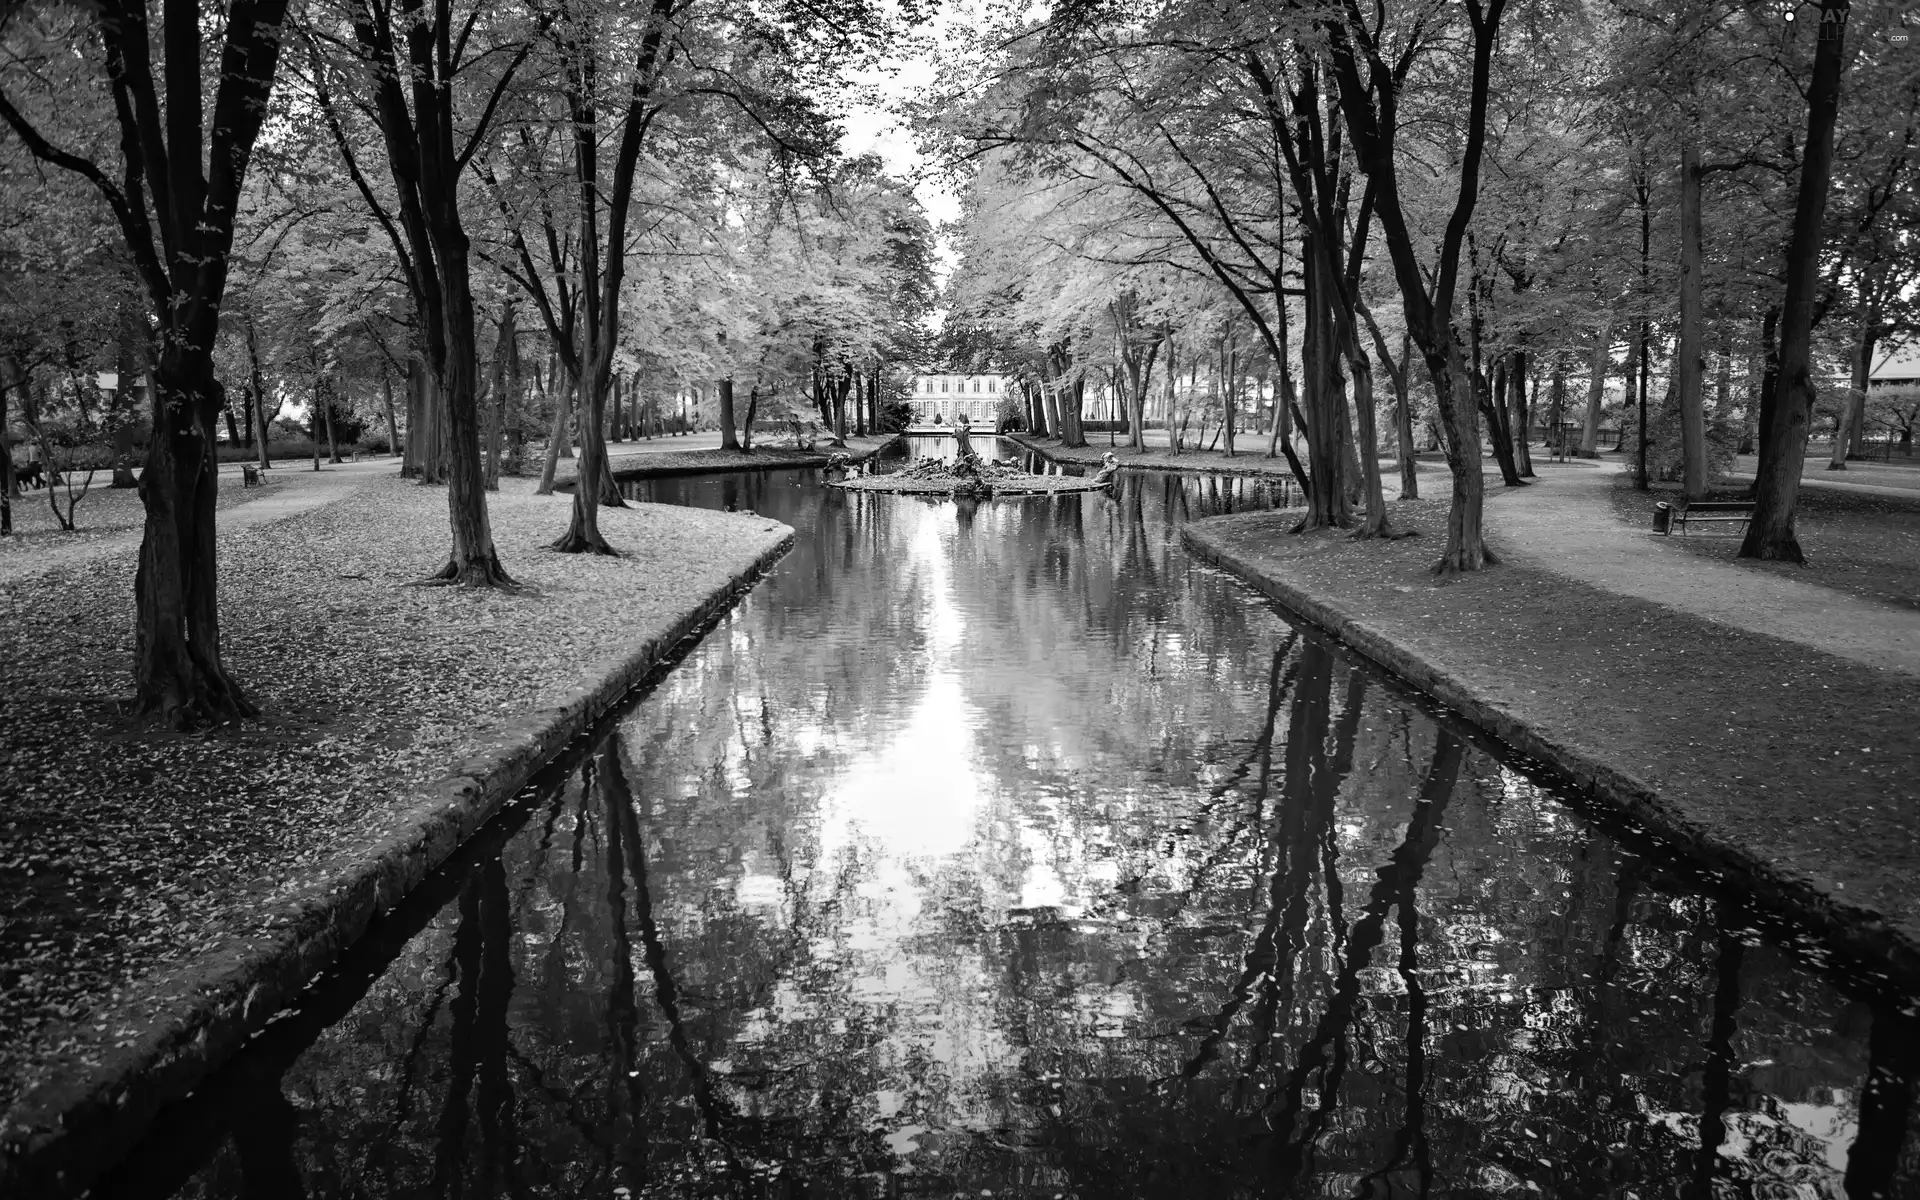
[(1182, 469), (633, 466), (1856, 930), (185, 1021)]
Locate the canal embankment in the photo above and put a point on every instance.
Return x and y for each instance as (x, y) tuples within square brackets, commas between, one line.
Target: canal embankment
[(660, 459), (1249, 459), (166, 895), (1781, 765)]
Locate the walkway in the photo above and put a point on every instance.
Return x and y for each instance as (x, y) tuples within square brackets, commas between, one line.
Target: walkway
[(1564, 524), (295, 488)]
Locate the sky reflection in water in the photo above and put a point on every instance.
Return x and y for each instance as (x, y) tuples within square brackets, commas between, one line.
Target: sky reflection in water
[(1000, 849)]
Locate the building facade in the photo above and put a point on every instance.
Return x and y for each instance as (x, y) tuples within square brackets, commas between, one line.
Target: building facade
[(938, 399)]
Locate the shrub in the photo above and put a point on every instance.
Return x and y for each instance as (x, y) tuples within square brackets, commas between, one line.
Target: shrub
[(1665, 460), (373, 443)]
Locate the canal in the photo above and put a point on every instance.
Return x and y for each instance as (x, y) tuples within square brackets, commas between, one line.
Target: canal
[(1001, 849)]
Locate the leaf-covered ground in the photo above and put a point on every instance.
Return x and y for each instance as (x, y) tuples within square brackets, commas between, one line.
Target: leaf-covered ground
[(122, 847), (1807, 758), (1856, 542)]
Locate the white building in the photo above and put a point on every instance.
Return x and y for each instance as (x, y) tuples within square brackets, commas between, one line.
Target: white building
[(937, 399)]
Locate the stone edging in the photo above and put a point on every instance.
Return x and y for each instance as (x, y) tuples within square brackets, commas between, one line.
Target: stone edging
[(192, 1018), (1027, 441), (1856, 930), (634, 466)]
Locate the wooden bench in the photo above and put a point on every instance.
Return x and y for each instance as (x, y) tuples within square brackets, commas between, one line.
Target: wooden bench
[(1713, 512)]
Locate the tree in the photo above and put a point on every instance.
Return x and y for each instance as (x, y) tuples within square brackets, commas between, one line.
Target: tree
[(1371, 107), (413, 68), (180, 177), (1770, 535)]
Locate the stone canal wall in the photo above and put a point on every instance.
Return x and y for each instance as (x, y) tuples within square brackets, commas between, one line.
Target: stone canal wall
[(1713, 740), (156, 1043)]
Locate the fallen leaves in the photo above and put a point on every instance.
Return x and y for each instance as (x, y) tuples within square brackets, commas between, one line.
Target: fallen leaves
[(122, 848)]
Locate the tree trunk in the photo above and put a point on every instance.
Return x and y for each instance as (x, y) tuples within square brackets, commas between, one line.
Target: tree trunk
[(1403, 421), (1228, 398), (1646, 368), (753, 406), (394, 444), (1690, 357), (1596, 393), (313, 422), (179, 677), (1521, 428), (1770, 535), (1849, 439), (1321, 389), (1071, 400), (729, 440), (129, 370), (1375, 522), (9, 485), (472, 560), (562, 394), (1496, 409), (333, 445)]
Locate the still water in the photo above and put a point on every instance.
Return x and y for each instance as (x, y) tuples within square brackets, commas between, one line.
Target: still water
[(1001, 849)]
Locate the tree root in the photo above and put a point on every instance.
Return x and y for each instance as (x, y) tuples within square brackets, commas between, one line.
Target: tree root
[(478, 573), (577, 543), (1447, 567)]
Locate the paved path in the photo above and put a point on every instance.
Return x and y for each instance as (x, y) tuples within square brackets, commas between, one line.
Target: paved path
[(295, 488), (1564, 524)]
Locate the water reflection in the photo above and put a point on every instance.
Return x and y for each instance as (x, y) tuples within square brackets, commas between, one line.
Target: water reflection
[(1002, 849)]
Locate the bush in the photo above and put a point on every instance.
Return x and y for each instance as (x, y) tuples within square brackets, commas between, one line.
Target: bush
[(1665, 460), (373, 443)]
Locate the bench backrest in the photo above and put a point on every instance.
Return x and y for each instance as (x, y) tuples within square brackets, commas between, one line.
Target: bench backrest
[(1721, 506)]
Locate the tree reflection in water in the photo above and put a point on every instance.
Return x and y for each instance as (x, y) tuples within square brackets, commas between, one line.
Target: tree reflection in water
[(1006, 850)]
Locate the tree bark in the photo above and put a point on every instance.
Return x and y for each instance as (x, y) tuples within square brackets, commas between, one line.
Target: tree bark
[(9, 485), (1850, 438), (1690, 358), (729, 440), (1522, 425), (333, 445), (1596, 392), (562, 394), (394, 444), (1770, 535)]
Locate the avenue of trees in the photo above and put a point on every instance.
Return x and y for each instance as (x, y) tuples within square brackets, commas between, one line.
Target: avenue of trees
[(452, 230), (1364, 225)]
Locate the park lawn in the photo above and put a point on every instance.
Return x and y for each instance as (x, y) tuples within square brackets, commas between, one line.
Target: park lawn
[(1862, 544), (1805, 759), (123, 848)]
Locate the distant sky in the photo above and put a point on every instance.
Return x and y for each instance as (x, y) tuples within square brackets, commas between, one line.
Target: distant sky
[(877, 130)]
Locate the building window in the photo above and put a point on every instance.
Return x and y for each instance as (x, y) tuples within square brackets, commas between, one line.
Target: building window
[(990, 387)]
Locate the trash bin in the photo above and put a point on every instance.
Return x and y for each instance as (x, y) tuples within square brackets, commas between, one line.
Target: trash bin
[(1663, 518)]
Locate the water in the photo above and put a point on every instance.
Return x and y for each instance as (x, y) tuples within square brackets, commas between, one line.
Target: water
[(1000, 849)]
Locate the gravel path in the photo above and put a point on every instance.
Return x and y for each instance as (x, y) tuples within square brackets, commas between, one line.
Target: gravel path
[(1563, 524), (123, 848)]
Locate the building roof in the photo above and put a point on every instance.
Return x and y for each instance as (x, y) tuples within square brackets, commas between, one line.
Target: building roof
[(1900, 365)]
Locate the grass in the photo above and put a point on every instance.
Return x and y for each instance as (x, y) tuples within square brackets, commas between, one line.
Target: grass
[(122, 847), (1864, 545)]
